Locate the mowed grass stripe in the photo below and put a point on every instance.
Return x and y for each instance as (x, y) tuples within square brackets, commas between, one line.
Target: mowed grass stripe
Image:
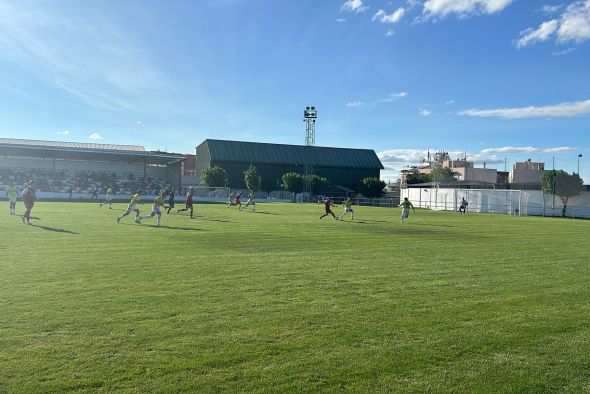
[(278, 300)]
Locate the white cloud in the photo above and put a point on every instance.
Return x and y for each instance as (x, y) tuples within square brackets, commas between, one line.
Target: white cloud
[(65, 132), (451, 101), (354, 104), (353, 6), (564, 52), (412, 3), (394, 17), (542, 33), (562, 109), (95, 136), (394, 97), (397, 156), (526, 149), (341, 20), (575, 23), (551, 9), (389, 33), (425, 112), (463, 8), (85, 54), (572, 26)]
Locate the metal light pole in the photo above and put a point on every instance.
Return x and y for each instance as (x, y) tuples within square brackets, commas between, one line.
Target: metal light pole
[(309, 116), (580, 155)]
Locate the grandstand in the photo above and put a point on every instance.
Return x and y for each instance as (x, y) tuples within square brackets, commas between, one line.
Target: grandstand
[(79, 168)]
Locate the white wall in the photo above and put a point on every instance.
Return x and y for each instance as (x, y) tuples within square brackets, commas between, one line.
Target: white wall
[(525, 202)]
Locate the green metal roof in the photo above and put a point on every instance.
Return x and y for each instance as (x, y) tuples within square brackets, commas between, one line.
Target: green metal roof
[(255, 152)]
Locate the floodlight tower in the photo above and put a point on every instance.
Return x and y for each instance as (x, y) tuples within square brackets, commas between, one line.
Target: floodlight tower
[(309, 117)]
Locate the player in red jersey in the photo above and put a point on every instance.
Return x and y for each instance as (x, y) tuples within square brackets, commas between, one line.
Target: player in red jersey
[(188, 203), (238, 200), (28, 196), (327, 206)]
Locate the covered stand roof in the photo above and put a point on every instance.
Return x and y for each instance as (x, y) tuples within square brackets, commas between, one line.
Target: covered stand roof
[(84, 151), (254, 152)]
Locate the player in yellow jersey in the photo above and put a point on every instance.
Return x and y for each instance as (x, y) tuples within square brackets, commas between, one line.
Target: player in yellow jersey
[(132, 207), (158, 202), (108, 199), (250, 202), (347, 204), (406, 205), (12, 195)]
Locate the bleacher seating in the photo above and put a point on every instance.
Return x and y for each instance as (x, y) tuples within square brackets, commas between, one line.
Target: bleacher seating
[(80, 181)]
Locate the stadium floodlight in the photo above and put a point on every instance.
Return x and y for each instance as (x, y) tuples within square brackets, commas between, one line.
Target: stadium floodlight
[(310, 113), (580, 155)]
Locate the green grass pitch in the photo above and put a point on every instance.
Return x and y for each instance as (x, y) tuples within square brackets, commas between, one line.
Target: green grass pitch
[(280, 301)]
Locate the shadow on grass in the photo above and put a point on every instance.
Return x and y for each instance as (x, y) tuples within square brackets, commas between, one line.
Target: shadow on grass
[(181, 228), (366, 221), (268, 213), (215, 220), (432, 225), (57, 230)]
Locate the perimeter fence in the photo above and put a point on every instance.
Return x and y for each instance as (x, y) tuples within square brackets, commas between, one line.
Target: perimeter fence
[(499, 201)]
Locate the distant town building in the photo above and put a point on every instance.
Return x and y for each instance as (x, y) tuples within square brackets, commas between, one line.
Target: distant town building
[(527, 172), (525, 175)]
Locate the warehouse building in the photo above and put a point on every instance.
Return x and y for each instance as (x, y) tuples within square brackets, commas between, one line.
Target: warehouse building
[(341, 166)]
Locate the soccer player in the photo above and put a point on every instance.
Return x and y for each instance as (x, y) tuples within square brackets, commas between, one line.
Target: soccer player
[(28, 196), (12, 195), (406, 204), (170, 200), (132, 207), (109, 198), (238, 200), (230, 199), (347, 204), (463, 206), (158, 202), (327, 205), (250, 202), (188, 203)]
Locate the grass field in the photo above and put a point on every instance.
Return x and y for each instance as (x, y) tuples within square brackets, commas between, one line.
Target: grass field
[(280, 301)]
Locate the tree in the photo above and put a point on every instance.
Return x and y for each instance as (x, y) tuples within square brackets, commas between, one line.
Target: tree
[(318, 183), (442, 175), (214, 177), (293, 182), (268, 185), (252, 178), (415, 178), (562, 184), (373, 187)]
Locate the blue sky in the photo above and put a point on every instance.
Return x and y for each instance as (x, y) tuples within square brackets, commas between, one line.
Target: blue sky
[(492, 79)]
